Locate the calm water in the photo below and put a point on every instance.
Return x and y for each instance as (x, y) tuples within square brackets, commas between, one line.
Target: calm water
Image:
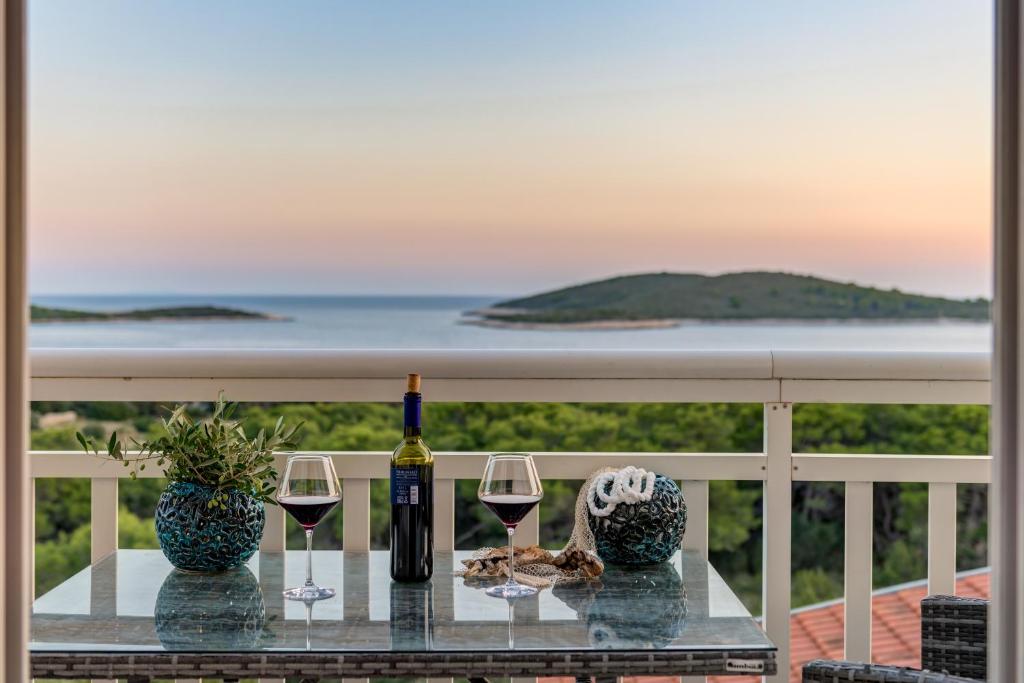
[(433, 322)]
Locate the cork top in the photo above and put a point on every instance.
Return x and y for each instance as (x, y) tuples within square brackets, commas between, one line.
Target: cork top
[(414, 383)]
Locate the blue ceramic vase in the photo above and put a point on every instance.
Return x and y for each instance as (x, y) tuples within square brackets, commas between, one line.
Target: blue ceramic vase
[(637, 534), (198, 538)]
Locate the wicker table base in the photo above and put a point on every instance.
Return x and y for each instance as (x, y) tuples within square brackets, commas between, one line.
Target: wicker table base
[(313, 666)]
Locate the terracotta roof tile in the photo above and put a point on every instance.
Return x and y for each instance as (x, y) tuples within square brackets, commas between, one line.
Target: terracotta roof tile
[(817, 632)]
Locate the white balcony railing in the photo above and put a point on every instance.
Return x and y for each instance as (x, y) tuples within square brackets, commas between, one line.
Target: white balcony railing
[(775, 379)]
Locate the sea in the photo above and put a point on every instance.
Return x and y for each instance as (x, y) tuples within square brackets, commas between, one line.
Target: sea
[(438, 322)]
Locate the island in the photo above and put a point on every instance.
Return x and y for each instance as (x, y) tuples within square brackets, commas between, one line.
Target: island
[(46, 314), (668, 299)]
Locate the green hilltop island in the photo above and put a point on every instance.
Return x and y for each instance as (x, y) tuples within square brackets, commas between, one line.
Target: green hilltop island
[(44, 314), (669, 299)]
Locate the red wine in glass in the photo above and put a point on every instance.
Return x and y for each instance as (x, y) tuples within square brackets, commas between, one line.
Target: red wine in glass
[(510, 508), (309, 490), (307, 510), (510, 488)]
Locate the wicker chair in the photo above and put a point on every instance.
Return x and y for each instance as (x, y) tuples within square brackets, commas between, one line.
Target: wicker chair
[(954, 633)]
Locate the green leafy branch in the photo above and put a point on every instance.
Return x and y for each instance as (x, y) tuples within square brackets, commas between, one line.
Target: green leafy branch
[(215, 452)]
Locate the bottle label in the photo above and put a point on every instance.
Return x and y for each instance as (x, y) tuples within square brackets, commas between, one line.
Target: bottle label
[(405, 485)]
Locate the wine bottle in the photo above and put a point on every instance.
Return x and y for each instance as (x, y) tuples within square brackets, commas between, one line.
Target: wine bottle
[(412, 497)]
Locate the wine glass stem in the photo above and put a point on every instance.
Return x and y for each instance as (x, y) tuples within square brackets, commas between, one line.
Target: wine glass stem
[(309, 557), (511, 557)]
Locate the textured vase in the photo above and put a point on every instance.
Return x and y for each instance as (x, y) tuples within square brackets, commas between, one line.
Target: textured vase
[(222, 612), (199, 538), (642, 533)]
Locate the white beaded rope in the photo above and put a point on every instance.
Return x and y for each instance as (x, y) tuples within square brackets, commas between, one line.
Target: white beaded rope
[(629, 485)]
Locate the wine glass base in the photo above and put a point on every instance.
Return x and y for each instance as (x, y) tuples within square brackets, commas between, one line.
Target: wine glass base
[(515, 590), (309, 593)]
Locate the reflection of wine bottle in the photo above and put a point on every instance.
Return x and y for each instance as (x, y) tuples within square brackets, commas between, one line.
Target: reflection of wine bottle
[(412, 497), (412, 616)]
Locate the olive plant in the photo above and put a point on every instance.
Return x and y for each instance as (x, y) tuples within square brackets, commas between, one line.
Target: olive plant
[(214, 452)]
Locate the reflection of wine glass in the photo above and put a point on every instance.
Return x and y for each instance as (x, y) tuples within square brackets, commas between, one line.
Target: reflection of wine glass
[(511, 621), (309, 623), (510, 488), (308, 491)]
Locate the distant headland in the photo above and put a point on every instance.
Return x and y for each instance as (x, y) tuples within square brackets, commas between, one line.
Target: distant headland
[(658, 300), (46, 314)]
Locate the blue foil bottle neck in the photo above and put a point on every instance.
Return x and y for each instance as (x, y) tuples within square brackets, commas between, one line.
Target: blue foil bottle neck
[(413, 406)]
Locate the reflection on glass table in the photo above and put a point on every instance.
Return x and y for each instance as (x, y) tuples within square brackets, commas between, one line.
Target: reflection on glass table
[(195, 611), (645, 609), (681, 613)]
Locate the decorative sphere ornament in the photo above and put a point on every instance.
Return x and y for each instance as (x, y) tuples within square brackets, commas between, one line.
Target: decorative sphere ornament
[(637, 517)]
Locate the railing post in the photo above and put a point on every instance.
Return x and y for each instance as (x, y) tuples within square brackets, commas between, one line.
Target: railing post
[(104, 583), (941, 538), (528, 531), (444, 514), (778, 495), (104, 517), (355, 533), (103, 522), (695, 493), (857, 564), (271, 578), (356, 569), (274, 531)]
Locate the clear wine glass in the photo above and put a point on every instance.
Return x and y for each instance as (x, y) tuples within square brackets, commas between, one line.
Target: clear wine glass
[(308, 491), (510, 488)]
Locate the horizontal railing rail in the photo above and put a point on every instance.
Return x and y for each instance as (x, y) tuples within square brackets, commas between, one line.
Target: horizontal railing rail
[(456, 464), (776, 379), (511, 376)]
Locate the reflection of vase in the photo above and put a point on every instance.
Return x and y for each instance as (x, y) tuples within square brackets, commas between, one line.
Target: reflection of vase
[(642, 533), (200, 538), (642, 608), (210, 611)]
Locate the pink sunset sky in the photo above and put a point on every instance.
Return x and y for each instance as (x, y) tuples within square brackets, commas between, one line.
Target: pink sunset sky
[(506, 148)]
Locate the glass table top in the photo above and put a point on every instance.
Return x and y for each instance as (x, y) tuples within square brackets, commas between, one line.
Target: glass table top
[(135, 601)]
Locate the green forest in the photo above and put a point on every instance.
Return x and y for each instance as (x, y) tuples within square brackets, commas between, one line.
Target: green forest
[(62, 505)]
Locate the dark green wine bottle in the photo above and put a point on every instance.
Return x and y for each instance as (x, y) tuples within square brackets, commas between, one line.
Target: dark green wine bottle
[(412, 497)]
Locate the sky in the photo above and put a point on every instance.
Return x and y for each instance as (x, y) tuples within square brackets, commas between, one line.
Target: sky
[(409, 147)]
